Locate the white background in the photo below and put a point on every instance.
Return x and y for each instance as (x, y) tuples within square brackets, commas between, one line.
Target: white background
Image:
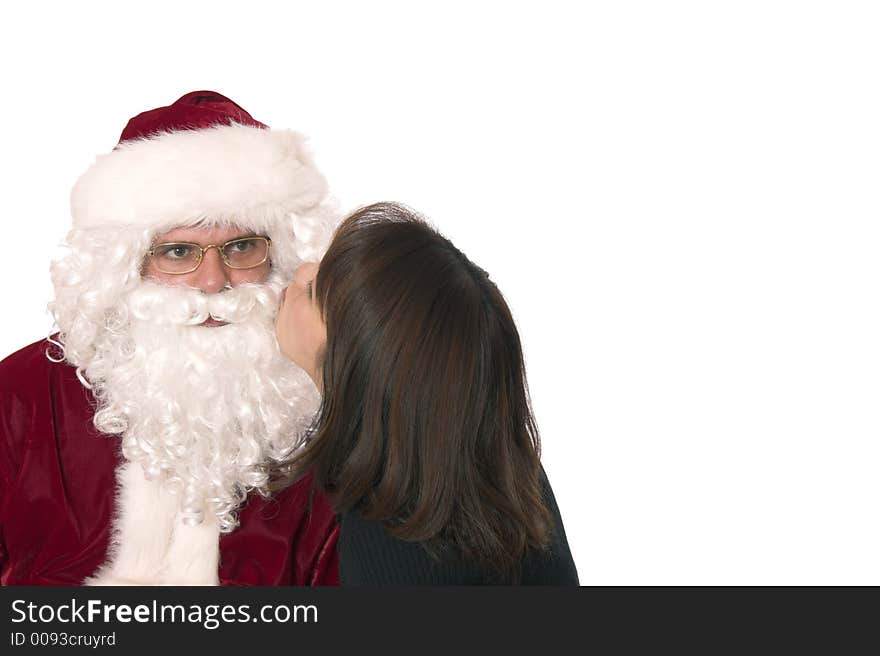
[(678, 199)]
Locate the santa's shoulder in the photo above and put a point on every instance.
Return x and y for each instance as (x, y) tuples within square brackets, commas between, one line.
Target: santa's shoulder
[(29, 365), (42, 404), (33, 374)]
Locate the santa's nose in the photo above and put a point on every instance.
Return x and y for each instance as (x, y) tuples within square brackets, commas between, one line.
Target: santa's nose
[(212, 275)]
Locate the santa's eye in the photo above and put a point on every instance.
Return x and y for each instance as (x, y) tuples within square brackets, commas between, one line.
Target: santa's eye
[(240, 246), (175, 251), (246, 252)]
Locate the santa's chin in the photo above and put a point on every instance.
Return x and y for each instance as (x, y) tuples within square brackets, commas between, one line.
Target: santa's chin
[(203, 411)]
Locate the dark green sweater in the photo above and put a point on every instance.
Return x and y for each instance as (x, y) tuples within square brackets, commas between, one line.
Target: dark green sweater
[(368, 555)]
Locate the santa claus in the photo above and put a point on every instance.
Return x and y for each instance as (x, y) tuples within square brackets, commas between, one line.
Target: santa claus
[(137, 444)]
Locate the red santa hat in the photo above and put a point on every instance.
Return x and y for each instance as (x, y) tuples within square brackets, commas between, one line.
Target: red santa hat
[(201, 159)]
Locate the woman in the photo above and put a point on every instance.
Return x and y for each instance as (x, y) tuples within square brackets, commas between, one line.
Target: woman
[(425, 439)]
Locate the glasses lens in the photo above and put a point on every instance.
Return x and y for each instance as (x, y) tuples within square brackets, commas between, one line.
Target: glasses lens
[(176, 258), (247, 252)]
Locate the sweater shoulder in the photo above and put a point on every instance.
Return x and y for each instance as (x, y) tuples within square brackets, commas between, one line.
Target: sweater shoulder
[(554, 564), (370, 555)]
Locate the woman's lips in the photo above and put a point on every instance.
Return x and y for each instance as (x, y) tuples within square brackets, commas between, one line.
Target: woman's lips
[(211, 322)]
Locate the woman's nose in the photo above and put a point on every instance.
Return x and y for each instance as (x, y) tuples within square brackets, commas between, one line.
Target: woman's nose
[(304, 273)]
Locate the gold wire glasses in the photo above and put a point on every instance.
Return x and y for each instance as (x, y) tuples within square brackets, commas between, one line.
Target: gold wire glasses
[(181, 257)]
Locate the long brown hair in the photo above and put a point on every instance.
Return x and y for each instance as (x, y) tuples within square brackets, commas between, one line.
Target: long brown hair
[(425, 422)]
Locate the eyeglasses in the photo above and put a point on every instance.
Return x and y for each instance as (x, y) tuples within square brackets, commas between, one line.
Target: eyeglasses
[(181, 257)]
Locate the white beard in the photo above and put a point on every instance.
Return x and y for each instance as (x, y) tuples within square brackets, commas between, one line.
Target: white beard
[(202, 412)]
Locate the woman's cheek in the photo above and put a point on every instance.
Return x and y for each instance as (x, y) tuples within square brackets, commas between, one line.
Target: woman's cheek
[(282, 329)]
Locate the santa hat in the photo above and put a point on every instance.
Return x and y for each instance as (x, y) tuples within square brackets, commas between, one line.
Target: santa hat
[(201, 159)]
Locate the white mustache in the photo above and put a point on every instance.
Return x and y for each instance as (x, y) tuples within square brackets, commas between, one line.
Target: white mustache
[(186, 306)]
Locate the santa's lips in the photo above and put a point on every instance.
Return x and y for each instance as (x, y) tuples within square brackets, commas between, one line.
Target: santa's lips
[(211, 322)]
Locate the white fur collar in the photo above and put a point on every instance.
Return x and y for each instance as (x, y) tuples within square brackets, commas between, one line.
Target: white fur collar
[(150, 545)]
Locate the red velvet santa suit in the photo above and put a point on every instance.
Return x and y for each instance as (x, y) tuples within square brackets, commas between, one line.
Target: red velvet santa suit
[(57, 493), (73, 508)]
